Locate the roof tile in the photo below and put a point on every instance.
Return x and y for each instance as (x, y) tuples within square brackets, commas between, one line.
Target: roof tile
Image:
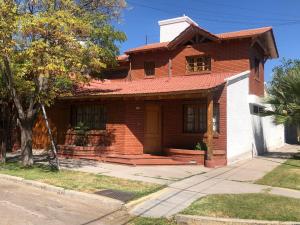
[(244, 33), (184, 83)]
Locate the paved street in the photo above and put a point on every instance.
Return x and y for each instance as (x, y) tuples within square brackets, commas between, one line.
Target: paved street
[(25, 205)]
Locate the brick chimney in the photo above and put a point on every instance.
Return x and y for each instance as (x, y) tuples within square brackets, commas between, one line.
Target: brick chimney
[(171, 28)]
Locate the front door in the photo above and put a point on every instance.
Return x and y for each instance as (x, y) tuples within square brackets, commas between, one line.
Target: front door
[(152, 142)]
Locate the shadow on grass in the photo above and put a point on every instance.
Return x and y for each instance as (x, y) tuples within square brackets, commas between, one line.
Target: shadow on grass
[(293, 160), (14, 165)]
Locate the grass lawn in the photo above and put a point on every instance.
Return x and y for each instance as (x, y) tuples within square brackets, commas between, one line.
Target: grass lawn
[(151, 221), (247, 206), (287, 175), (79, 181)]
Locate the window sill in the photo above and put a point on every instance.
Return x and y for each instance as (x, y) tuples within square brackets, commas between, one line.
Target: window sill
[(197, 73), (204, 135), (149, 77)]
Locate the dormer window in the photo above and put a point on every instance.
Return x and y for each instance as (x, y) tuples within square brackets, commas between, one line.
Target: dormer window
[(149, 68), (198, 64)]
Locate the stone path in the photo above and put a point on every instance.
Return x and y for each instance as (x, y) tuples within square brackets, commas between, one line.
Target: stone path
[(236, 178)]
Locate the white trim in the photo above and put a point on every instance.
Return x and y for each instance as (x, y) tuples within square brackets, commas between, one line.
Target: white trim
[(177, 20), (241, 75)]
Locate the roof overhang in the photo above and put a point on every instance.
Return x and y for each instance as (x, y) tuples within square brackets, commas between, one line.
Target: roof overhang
[(271, 44), (189, 33)]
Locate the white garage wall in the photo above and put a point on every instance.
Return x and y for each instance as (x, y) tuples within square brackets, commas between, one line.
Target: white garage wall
[(248, 134)]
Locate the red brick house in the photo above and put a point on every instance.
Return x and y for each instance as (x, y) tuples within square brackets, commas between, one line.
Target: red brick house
[(164, 98)]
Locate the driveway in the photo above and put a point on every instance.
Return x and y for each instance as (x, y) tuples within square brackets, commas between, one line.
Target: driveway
[(25, 205)]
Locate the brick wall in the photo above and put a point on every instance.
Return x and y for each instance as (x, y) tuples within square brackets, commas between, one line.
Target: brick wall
[(220, 140), (59, 118), (256, 81), (229, 56), (173, 135), (134, 127), (125, 123)]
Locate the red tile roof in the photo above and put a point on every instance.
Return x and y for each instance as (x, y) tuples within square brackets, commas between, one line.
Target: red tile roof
[(244, 33), (184, 83), (149, 47), (123, 57), (222, 36)]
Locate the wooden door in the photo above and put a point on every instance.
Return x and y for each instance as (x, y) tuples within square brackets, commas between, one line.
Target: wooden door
[(152, 141)]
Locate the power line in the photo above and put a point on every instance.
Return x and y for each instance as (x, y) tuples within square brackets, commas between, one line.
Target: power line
[(295, 22), (246, 9), (224, 13)]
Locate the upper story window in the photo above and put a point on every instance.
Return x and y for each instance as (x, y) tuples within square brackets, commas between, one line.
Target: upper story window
[(149, 68), (198, 64)]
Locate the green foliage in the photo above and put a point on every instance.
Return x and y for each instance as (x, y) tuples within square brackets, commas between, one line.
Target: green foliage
[(81, 138), (284, 93), (247, 206), (152, 221), (51, 45), (287, 175), (78, 181), (201, 146)]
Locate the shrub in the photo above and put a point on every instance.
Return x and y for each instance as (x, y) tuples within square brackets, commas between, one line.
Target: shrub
[(201, 146)]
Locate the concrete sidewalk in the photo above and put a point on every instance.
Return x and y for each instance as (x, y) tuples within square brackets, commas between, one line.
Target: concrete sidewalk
[(154, 174), (233, 179)]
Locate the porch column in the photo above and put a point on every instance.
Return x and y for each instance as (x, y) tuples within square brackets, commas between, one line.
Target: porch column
[(210, 132)]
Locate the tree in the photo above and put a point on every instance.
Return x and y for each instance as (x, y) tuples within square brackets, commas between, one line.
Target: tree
[(284, 93), (47, 46), (7, 121)]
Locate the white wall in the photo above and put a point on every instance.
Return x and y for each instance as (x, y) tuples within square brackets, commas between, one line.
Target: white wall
[(171, 28), (248, 134)]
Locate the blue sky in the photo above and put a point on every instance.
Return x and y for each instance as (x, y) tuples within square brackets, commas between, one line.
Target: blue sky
[(140, 20)]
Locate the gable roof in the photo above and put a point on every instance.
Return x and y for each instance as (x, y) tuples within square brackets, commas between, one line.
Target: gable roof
[(243, 33), (264, 32), (164, 85)]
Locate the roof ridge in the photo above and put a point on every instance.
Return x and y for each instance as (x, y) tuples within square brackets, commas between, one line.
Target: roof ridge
[(252, 29)]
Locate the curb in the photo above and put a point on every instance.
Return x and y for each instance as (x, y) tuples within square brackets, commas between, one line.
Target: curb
[(132, 204), (199, 220), (62, 191)]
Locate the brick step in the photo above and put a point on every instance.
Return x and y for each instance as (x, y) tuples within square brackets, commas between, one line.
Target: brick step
[(142, 160)]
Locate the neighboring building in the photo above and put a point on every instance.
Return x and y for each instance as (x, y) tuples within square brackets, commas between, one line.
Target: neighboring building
[(191, 87)]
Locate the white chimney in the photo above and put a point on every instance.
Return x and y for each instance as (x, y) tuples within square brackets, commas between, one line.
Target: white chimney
[(171, 28)]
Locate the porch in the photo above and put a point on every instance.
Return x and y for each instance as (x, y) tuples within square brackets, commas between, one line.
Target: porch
[(177, 129)]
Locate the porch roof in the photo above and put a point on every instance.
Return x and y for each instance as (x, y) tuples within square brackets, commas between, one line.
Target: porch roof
[(153, 86)]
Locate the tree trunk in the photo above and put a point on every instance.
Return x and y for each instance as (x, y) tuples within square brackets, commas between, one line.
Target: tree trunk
[(3, 152), (298, 133), (26, 143)]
